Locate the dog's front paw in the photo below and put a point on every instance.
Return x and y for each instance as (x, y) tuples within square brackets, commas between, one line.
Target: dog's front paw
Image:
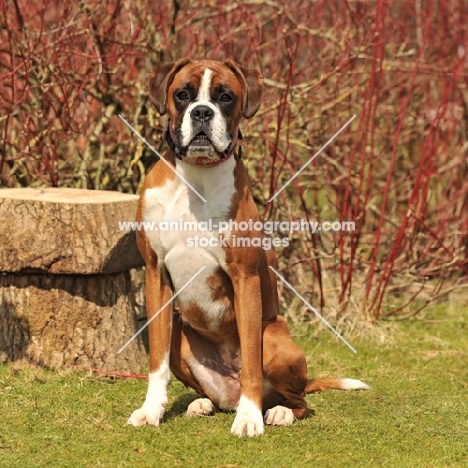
[(147, 414), (249, 420), (248, 424), (279, 416)]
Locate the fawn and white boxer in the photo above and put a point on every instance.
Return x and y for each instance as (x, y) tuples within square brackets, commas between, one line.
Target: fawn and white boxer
[(225, 339)]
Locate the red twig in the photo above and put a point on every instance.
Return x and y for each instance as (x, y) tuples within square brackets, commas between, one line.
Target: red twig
[(111, 373)]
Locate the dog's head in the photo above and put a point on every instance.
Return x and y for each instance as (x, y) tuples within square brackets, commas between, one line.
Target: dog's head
[(205, 101)]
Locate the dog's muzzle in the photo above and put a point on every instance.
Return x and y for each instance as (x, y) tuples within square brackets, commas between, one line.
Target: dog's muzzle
[(202, 141)]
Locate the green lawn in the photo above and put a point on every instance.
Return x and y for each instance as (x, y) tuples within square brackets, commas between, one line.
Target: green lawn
[(415, 416)]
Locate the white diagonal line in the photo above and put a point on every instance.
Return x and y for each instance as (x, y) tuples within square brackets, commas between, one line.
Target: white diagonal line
[(161, 309), (159, 156), (312, 158), (313, 310)]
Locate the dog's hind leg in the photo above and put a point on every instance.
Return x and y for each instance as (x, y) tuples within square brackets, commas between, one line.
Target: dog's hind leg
[(197, 363), (179, 365), (285, 370)]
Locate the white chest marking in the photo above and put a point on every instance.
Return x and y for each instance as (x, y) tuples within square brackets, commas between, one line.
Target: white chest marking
[(175, 202)]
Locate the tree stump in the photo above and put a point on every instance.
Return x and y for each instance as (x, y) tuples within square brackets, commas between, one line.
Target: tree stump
[(65, 288)]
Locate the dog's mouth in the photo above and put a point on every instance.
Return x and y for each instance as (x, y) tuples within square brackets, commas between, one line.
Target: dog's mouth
[(201, 148), (200, 140)]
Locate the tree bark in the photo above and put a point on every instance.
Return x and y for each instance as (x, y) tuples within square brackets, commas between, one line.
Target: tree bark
[(65, 288), (59, 320)]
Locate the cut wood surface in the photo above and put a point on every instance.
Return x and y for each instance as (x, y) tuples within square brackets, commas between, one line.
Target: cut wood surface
[(66, 231)]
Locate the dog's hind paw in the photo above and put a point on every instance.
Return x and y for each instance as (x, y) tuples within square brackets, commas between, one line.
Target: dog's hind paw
[(279, 416), (201, 407)]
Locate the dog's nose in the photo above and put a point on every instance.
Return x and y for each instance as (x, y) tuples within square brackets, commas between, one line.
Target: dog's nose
[(202, 114)]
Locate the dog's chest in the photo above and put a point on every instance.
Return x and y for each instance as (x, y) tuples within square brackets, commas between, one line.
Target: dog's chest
[(183, 241)]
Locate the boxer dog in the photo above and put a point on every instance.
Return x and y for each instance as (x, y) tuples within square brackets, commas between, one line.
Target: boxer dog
[(225, 339)]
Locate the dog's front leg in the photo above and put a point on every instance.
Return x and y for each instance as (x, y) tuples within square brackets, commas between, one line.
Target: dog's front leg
[(157, 294), (248, 309)]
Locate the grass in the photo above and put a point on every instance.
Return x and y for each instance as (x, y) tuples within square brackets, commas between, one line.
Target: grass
[(415, 416)]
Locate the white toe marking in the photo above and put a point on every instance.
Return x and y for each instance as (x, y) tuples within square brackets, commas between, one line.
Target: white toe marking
[(279, 416), (201, 407), (147, 414), (353, 384), (249, 420), (154, 406)]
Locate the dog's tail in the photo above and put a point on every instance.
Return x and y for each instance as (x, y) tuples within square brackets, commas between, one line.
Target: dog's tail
[(320, 385)]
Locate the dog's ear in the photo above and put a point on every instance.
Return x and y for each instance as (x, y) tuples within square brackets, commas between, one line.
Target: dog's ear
[(159, 81), (252, 81)]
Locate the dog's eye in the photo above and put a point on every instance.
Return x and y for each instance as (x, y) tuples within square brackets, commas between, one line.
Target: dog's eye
[(225, 98), (182, 96)]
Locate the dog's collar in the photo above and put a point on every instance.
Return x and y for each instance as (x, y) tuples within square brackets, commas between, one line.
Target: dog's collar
[(238, 140)]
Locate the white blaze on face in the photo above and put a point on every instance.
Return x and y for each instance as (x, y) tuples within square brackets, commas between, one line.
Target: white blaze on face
[(204, 91), (216, 128)]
